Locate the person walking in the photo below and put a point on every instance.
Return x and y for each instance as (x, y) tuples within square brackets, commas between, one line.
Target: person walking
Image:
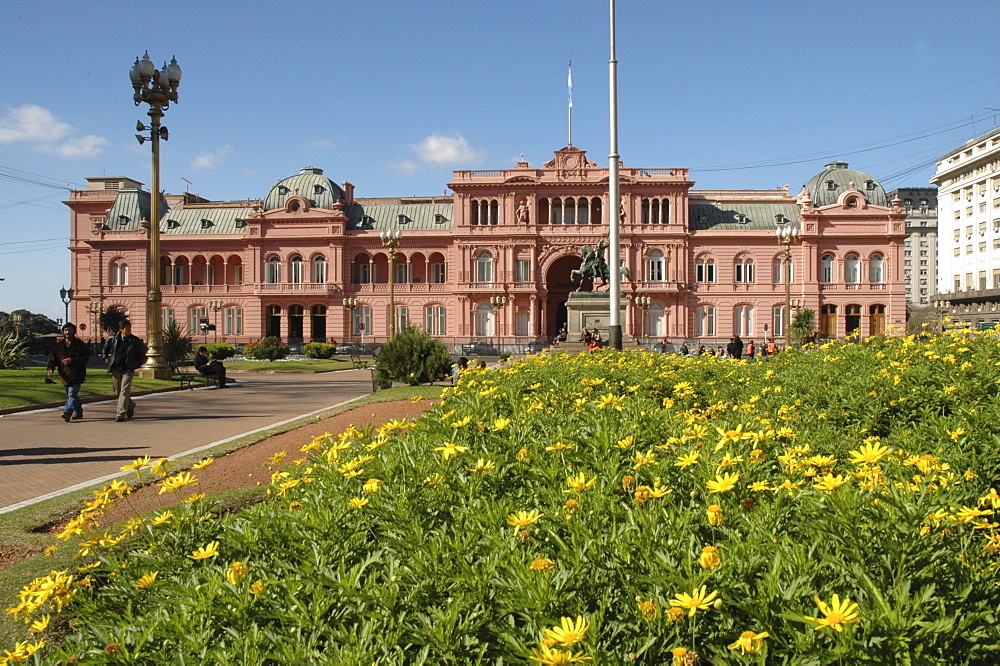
[(70, 357), (735, 347), (124, 353), (210, 368), (751, 350)]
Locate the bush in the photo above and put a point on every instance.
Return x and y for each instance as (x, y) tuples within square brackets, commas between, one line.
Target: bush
[(268, 349), (12, 351), (219, 351), (177, 346), (412, 357), (319, 350)]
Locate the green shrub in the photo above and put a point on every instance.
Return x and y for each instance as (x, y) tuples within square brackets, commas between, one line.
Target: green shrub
[(177, 346), (268, 349), (412, 357), (12, 351), (219, 351), (319, 350)]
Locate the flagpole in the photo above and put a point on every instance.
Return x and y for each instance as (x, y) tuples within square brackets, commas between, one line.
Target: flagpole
[(614, 199), (569, 109)]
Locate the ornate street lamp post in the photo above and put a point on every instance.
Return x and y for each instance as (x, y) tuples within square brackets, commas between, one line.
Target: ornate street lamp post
[(498, 303), (788, 235), (216, 305), (643, 303), (391, 240), (350, 305), (94, 308), (66, 296), (157, 88), (16, 319)]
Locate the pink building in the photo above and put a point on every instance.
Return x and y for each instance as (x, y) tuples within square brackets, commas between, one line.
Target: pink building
[(283, 265)]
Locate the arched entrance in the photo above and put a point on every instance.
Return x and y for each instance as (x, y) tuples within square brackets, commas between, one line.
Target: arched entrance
[(558, 285)]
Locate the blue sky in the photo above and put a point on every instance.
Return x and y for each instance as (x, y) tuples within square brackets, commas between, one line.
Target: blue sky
[(392, 96)]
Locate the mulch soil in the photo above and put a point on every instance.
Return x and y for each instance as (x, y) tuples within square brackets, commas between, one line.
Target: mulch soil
[(246, 467)]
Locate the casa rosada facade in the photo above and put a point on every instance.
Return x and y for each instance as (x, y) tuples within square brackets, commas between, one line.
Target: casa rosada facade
[(709, 260)]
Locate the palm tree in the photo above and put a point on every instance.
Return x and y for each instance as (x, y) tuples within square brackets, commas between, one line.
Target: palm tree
[(176, 346), (111, 318), (803, 328)]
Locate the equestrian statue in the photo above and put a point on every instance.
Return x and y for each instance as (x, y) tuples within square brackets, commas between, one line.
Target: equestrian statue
[(594, 265)]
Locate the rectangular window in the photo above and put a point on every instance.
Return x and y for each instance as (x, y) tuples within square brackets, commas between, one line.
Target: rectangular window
[(238, 274), (233, 322), (167, 314), (522, 324), (362, 273), (362, 321), (705, 321), (197, 316), (982, 279), (402, 317), (402, 273), (435, 317), (523, 273), (437, 273), (778, 321)]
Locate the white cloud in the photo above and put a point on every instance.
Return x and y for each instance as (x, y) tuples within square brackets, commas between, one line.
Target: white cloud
[(446, 150), (31, 123), (409, 166), (210, 160), (323, 144), (37, 125), (80, 146)]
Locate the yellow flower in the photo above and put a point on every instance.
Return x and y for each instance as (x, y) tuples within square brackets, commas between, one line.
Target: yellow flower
[(500, 424), (162, 518), (836, 614), (177, 482), (257, 587), (697, 600), (610, 399), (709, 558), (147, 581), (829, 483), (579, 483), (869, 454), (546, 656), (523, 518), (749, 641), (723, 483), (49, 550), (640, 460), (715, 515), (161, 467), (449, 450), (759, 486), (542, 564), (568, 633), (372, 485), (681, 657), (462, 423), (523, 455), (625, 443), (729, 460), (481, 466), (135, 465), (205, 552), (236, 571), (559, 446), (194, 497), (687, 459), (40, 625), (648, 609), (954, 434), (276, 458), (357, 502), (433, 480), (203, 463)]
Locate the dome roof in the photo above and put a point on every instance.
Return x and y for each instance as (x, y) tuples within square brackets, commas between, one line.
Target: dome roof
[(309, 183), (826, 187)]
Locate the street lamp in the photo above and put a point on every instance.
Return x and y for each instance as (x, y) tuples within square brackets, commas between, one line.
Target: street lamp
[(498, 303), (157, 88), (94, 308), (788, 235), (66, 296), (16, 319), (391, 240), (216, 305), (350, 305), (643, 303)]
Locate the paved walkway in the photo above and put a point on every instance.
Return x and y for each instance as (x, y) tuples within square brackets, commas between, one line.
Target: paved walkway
[(42, 456)]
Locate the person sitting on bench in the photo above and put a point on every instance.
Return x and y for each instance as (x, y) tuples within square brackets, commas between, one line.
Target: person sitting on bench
[(209, 368)]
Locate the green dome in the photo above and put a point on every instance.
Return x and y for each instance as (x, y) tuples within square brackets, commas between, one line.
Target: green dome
[(826, 187), (309, 183)]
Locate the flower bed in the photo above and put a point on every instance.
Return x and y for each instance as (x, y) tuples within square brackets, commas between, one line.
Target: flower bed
[(833, 504)]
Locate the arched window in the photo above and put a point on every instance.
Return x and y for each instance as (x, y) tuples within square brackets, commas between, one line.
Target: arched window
[(484, 320), (705, 270), (705, 321), (656, 269), (743, 320), (876, 269), (852, 269), (272, 272), (655, 324), (826, 268), (319, 269), (744, 271), (777, 270), (119, 274), (484, 268), (295, 272)]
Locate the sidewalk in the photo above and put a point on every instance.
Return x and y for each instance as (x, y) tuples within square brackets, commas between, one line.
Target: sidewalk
[(42, 456)]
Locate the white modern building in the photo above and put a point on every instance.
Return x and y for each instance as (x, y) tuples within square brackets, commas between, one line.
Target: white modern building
[(968, 180), (920, 247)]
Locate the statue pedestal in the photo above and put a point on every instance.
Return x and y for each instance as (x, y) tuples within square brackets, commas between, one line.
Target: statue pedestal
[(590, 310)]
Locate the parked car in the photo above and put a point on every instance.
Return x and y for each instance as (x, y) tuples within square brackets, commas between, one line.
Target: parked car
[(536, 346), (479, 348), (356, 349)]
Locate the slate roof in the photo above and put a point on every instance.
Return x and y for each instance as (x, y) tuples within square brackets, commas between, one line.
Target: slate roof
[(132, 206), (823, 193), (415, 217), (311, 184), (725, 216)]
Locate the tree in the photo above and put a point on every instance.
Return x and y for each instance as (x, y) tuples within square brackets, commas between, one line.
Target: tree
[(13, 352), (112, 317), (803, 328), (30, 324), (412, 357), (176, 345)]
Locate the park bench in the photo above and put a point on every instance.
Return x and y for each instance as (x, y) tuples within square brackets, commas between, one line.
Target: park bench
[(358, 362), (186, 374)]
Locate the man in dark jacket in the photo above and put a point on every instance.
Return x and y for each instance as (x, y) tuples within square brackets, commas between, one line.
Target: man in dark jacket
[(209, 368), (70, 358), (735, 347), (124, 353)]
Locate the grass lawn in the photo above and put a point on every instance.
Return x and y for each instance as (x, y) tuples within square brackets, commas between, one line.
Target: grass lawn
[(25, 530), (19, 388), (305, 365)]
